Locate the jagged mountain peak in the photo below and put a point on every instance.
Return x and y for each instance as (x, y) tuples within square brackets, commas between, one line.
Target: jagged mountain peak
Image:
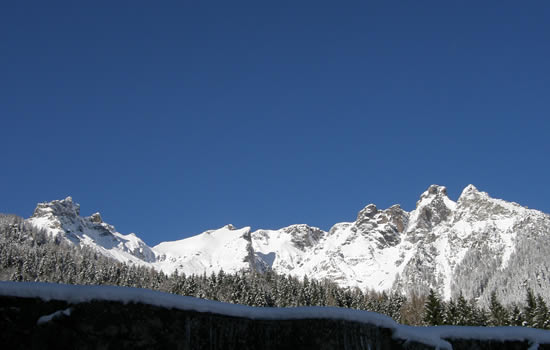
[(469, 189), (471, 193), (433, 208), (367, 213), (304, 236), (475, 205), (63, 207), (433, 191), (388, 222), (96, 217), (62, 218), (299, 228)]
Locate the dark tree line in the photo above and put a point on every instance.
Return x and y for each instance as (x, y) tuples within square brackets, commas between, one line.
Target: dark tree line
[(533, 313), (28, 254)]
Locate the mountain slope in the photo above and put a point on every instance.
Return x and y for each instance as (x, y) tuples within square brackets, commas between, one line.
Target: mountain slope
[(226, 248), (463, 247), (474, 246), (61, 218)]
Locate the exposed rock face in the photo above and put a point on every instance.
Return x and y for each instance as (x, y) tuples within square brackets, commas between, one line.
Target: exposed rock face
[(433, 208), (366, 214), (304, 236), (64, 207), (398, 217), (96, 218), (389, 224), (286, 249), (114, 325), (474, 246), (62, 218), (56, 213), (474, 205)]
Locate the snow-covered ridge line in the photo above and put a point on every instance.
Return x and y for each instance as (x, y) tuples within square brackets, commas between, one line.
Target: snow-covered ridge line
[(433, 336), (443, 245)]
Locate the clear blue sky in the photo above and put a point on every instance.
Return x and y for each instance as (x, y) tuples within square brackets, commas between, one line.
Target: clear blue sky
[(171, 118)]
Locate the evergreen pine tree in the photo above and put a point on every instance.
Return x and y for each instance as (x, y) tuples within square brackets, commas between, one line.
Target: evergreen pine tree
[(479, 316), (464, 311), (541, 316), (394, 304), (450, 316), (515, 316), (529, 308), (433, 310), (498, 316)]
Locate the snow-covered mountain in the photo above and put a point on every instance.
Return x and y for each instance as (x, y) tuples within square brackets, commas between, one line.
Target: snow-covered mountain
[(475, 245), (61, 218), (227, 248)]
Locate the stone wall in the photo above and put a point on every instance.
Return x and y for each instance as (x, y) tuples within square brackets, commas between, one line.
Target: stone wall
[(114, 325)]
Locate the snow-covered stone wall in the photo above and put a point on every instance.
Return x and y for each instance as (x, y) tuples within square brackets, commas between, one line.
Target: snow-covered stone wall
[(41, 315)]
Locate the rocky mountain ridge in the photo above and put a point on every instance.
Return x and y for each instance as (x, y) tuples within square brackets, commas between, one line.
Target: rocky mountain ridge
[(474, 245)]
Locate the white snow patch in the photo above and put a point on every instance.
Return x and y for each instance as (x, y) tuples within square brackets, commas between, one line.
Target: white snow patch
[(48, 318), (443, 259), (44, 223), (449, 203)]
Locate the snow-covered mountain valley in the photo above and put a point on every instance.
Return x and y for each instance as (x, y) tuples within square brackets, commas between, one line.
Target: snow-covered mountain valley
[(475, 245)]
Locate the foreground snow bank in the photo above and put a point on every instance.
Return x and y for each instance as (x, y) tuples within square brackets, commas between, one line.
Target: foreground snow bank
[(434, 336)]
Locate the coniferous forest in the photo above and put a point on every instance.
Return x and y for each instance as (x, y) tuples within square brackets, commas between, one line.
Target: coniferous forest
[(28, 254)]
